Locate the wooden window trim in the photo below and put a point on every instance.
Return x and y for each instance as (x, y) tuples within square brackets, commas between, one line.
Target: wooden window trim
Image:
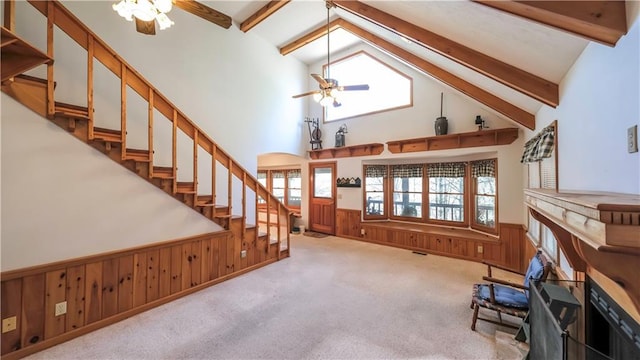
[(269, 186), (474, 192), (468, 207)]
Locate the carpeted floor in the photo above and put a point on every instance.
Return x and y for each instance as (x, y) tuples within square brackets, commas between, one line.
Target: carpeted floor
[(333, 299)]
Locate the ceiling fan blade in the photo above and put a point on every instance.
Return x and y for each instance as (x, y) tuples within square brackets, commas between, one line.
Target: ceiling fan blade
[(336, 103), (354, 87), (205, 12), (145, 27), (323, 83), (305, 94)]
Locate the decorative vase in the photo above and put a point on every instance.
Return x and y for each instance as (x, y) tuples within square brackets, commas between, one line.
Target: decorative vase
[(441, 125)]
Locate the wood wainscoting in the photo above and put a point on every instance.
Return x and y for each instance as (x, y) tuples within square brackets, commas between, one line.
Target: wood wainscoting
[(102, 289), (507, 250)]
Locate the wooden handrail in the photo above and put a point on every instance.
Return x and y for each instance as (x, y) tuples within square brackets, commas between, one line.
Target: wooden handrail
[(58, 15)]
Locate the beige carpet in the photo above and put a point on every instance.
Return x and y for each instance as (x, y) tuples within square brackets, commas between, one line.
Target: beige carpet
[(333, 299)]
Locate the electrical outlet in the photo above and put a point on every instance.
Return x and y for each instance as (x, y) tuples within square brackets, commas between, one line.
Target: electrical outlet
[(362, 232), (61, 308), (480, 249), (243, 253), (9, 324), (632, 139)]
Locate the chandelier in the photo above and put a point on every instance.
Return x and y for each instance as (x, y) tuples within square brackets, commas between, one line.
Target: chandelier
[(146, 10)]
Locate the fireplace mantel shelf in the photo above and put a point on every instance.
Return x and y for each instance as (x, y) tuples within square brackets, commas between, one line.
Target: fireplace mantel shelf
[(596, 229)]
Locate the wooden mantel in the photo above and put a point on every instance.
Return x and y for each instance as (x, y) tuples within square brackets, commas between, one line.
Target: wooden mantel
[(598, 229), (347, 151), (455, 141)]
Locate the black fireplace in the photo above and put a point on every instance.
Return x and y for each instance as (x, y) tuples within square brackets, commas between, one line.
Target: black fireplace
[(610, 331)]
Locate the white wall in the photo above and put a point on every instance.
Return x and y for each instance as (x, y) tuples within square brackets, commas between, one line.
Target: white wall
[(419, 121), (63, 199), (599, 100)]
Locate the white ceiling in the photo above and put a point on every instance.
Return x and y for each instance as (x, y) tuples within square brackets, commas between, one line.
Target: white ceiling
[(535, 48)]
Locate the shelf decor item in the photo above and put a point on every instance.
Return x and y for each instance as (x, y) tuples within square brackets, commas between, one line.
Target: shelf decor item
[(441, 122), (348, 182)]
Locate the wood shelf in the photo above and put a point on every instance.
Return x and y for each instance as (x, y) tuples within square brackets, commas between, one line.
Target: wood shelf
[(455, 141), (347, 151)]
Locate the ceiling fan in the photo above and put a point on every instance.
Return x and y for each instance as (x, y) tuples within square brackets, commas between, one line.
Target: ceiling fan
[(330, 90), (147, 12)]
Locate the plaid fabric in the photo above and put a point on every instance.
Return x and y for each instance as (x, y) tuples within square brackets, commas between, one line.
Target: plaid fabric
[(294, 173), (483, 168), (446, 170), (277, 174), (375, 171), (262, 175), (406, 171), (477, 299), (540, 146)]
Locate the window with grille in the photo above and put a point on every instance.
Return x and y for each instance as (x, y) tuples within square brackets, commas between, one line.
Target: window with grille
[(483, 177), (407, 190), (446, 191), (374, 185)]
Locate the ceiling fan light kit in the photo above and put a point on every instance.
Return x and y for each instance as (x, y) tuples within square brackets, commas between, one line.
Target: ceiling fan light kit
[(146, 10), (329, 90)]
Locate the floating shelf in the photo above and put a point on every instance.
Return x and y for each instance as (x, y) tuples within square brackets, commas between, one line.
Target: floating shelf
[(455, 141), (347, 151)]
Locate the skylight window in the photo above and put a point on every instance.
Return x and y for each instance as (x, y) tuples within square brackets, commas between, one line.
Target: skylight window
[(389, 89)]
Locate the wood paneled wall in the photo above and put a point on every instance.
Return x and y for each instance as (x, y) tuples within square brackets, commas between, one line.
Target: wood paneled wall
[(102, 289), (507, 250)]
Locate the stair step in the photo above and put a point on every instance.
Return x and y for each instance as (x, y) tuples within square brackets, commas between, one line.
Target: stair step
[(138, 155), (28, 79), (69, 110), (186, 188), (107, 135), (163, 172)]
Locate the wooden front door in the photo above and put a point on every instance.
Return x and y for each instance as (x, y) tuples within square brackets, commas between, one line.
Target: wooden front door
[(322, 204)]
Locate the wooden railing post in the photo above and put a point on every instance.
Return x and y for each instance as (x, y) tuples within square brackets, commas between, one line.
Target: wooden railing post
[(150, 132), (9, 20), (230, 186), (123, 108), (195, 164), (51, 104), (174, 150), (214, 151), (90, 53)]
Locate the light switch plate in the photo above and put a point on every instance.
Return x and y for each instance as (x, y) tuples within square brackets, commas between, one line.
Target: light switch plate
[(632, 139)]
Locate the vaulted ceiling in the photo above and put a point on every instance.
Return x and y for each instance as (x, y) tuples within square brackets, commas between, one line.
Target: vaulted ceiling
[(509, 56)]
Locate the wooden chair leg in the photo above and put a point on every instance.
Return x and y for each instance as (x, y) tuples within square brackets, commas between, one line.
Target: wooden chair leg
[(500, 316), (475, 317)]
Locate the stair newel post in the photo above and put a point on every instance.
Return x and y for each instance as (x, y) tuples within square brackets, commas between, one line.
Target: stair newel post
[(214, 150), (123, 109), (150, 134), (90, 54), (50, 83), (230, 188), (9, 20), (279, 230), (174, 150), (268, 198), (244, 204), (195, 164)]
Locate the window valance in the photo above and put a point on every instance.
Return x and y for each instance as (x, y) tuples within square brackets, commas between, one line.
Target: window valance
[(483, 168), (375, 171), (446, 170), (540, 146), (294, 173), (406, 171), (277, 174)]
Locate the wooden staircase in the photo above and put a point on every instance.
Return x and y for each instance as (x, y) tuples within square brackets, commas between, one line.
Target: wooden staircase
[(19, 57)]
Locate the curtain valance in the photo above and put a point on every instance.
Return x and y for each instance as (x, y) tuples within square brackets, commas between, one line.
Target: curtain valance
[(446, 169), (483, 168), (406, 171), (540, 146), (375, 171)]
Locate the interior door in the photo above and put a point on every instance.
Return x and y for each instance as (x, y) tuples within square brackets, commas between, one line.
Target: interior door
[(322, 202)]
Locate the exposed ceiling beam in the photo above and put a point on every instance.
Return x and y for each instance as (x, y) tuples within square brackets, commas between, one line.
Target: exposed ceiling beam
[(262, 14), (601, 21), (309, 37), (531, 85), (505, 108)]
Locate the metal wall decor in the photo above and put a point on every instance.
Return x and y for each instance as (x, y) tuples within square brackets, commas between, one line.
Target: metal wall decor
[(340, 139), (315, 135)]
